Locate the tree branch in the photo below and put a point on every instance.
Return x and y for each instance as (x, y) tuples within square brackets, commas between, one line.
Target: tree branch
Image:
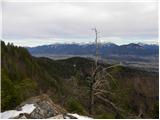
[(115, 108)]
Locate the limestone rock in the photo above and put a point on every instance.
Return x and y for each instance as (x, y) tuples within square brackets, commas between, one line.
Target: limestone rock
[(45, 108)]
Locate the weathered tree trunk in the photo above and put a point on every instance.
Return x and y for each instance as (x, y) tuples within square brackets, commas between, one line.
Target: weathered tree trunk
[(97, 81), (93, 80)]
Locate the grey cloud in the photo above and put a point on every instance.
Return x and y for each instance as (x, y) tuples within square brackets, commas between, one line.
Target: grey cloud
[(75, 20)]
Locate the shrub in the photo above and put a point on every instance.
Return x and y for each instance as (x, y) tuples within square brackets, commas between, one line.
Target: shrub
[(75, 107)]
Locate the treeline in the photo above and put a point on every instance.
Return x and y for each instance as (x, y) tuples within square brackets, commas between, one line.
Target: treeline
[(24, 76)]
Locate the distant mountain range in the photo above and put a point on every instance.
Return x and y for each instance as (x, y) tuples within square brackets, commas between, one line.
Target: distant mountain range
[(106, 49)]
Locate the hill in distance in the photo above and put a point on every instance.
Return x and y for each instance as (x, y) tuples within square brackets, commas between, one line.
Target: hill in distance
[(139, 55), (105, 49)]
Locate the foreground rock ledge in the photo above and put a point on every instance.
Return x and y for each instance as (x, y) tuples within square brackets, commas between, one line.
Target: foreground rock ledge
[(45, 107), (40, 107)]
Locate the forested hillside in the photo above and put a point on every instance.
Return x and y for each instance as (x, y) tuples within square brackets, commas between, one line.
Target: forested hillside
[(23, 76)]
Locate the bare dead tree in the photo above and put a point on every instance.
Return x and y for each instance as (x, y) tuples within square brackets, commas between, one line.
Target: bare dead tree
[(93, 74), (100, 81)]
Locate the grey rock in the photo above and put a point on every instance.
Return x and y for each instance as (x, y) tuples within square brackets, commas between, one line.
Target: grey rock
[(57, 117), (45, 108)]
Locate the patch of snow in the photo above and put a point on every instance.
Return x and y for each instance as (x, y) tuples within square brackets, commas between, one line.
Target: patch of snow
[(79, 116), (141, 44), (28, 108)]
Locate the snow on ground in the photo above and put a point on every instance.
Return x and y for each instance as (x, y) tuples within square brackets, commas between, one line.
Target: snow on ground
[(28, 108), (79, 116)]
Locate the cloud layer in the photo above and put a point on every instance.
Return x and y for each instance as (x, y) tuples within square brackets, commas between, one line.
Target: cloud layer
[(74, 21)]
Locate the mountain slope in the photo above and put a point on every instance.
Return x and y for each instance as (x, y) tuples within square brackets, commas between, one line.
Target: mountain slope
[(108, 49), (24, 76)]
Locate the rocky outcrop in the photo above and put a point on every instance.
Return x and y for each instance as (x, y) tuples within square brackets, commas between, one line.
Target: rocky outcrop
[(40, 107), (44, 108)]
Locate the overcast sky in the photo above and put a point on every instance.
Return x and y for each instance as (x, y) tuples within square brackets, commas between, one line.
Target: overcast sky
[(36, 23)]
